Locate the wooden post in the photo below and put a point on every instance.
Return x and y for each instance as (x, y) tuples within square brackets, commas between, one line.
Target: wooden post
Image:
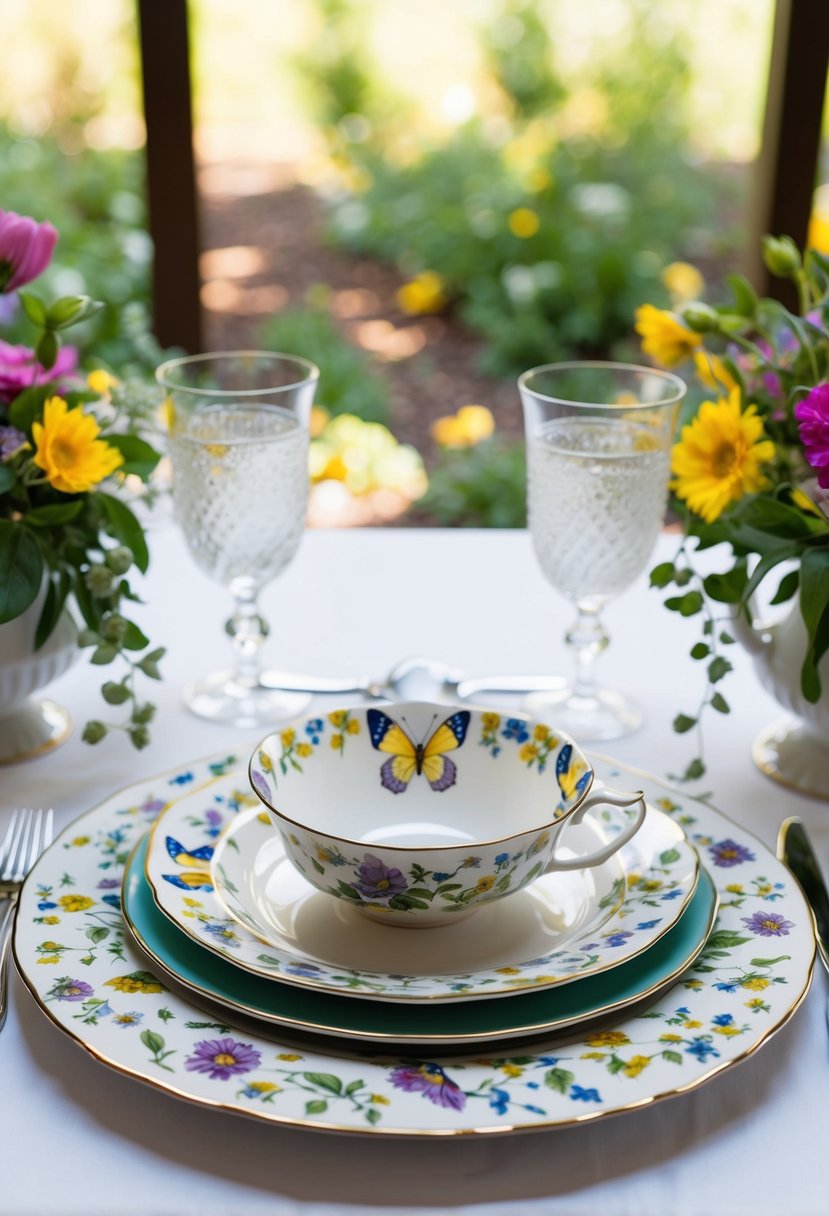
[(787, 164), (171, 178)]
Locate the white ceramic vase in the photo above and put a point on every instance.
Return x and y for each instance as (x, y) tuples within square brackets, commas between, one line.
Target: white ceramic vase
[(29, 725), (795, 749)]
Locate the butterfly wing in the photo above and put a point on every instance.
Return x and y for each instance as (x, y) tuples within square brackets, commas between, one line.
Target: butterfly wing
[(387, 736), (573, 778), (439, 770), (195, 876)]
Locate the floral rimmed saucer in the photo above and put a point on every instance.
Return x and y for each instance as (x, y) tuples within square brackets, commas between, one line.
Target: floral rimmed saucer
[(243, 894), (439, 1024), (74, 954)]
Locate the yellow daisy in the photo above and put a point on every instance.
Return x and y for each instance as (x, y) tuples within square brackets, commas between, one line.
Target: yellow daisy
[(664, 337), (68, 449), (717, 460)]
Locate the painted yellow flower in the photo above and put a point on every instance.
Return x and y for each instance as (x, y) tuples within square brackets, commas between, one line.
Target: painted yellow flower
[(735, 888), (51, 920), (486, 883), (512, 1070), (683, 281), (304, 749), (756, 1002), (755, 984), (728, 1031), (49, 958), (288, 1055), (523, 222), (717, 460), (490, 722), (337, 742), (607, 1038), (508, 970), (264, 1087), (353, 726), (635, 1065), (663, 335), (528, 752), (75, 903), (140, 982), (287, 737), (49, 946), (379, 1100), (670, 1038), (541, 732), (712, 371), (422, 294), (80, 841), (593, 1055), (265, 762), (68, 449), (338, 717), (691, 1024)]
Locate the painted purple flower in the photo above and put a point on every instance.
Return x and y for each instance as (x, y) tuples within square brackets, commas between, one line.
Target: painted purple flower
[(728, 852), (222, 1059), (11, 441), (260, 783), (26, 249), (378, 881), (768, 924), (19, 369), (431, 1081), (812, 416), (151, 806), (107, 884), (71, 990)]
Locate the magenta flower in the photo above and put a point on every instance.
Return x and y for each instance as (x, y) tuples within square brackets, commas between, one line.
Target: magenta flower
[(19, 369), (222, 1058), (812, 415), (431, 1081), (26, 249)]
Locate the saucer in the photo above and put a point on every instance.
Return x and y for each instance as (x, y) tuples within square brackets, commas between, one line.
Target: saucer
[(474, 1022), (563, 927)]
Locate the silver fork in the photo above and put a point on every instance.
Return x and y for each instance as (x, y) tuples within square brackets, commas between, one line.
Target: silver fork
[(28, 835)]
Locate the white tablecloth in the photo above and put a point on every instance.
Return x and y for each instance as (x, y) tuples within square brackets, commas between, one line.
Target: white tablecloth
[(80, 1140)]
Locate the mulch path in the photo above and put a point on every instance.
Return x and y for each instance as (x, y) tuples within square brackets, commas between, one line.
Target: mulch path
[(430, 364)]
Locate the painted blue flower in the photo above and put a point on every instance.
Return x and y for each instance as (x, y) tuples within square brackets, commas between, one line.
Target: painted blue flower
[(516, 729), (723, 1019), (702, 1048), (579, 1094), (104, 1010), (546, 1061), (727, 986), (181, 779), (113, 900), (45, 904), (314, 729), (675, 894), (617, 939), (535, 1110), (532, 1085), (499, 1101), (223, 932), (440, 877), (304, 969), (502, 859), (649, 924), (126, 1020)]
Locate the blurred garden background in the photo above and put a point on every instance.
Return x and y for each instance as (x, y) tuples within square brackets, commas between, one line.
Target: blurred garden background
[(425, 199)]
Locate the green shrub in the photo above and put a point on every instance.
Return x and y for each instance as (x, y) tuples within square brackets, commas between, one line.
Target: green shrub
[(478, 487)]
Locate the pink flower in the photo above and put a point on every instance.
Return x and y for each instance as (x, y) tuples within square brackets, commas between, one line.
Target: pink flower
[(19, 370), (812, 415), (26, 249)]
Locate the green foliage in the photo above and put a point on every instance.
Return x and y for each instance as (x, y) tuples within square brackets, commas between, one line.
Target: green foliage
[(613, 205), (96, 202), (478, 487), (348, 383)]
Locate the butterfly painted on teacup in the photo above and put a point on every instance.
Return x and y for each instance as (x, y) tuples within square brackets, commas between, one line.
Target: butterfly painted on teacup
[(409, 758), (195, 879), (573, 776)]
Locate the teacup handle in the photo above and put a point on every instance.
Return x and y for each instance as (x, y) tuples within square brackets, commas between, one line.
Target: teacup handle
[(602, 796)]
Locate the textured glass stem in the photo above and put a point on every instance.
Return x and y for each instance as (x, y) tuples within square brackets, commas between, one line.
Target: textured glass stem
[(587, 638), (248, 629)]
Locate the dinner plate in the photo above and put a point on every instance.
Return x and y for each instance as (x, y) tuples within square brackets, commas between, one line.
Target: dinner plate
[(473, 1022), (243, 892), (75, 955)]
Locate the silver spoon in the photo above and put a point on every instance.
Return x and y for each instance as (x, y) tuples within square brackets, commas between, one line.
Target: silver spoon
[(413, 679)]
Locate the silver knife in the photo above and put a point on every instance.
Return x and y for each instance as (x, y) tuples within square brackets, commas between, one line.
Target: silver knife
[(795, 849)]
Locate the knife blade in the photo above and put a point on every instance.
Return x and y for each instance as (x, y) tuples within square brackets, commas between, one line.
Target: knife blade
[(795, 850)]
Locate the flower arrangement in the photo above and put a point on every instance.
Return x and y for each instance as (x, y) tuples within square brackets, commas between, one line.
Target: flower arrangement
[(62, 535), (751, 466)]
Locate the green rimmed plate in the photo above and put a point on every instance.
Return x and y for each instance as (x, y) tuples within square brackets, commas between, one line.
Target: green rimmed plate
[(542, 1012)]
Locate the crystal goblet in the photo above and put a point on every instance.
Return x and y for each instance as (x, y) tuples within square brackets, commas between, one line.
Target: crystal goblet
[(599, 439), (238, 443)]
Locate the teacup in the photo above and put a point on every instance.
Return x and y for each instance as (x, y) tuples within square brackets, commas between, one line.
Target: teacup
[(418, 813)]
